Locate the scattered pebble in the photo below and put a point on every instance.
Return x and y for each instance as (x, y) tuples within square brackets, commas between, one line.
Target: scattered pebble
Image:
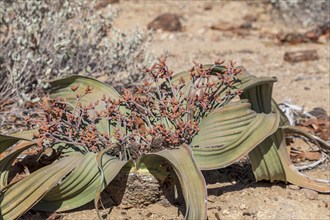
[(247, 214), (164, 202), (310, 194), (149, 214), (294, 187), (225, 212), (242, 207)]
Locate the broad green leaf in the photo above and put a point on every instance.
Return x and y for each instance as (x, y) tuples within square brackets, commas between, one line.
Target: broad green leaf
[(79, 187), (106, 177), (229, 133), (7, 161), (270, 159), (21, 196), (6, 141), (191, 179), (62, 88)]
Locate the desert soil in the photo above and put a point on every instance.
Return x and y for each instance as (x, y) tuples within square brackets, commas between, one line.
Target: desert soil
[(232, 195)]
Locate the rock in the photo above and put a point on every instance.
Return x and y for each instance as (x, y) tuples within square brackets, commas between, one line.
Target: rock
[(217, 216), (164, 202), (242, 207), (299, 56), (294, 187), (225, 212), (310, 194), (166, 22), (149, 214), (236, 28), (309, 155), (247, 214), (208, 6), (319, 113)]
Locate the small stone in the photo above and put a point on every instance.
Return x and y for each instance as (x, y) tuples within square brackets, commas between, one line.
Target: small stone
[(246, 214), (242, 207), (310, 194), (319, 113), (294, 187), (299, 56), (225, 212), (208, 6), (217, 216), (149, 214), (164, 202), (166, 22)]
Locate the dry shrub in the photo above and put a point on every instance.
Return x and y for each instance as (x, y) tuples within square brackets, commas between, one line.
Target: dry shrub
[(43, 40)]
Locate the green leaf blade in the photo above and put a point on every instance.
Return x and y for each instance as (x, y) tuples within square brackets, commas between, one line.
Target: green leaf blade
[(191, 179), (21, 196), (229, 133)]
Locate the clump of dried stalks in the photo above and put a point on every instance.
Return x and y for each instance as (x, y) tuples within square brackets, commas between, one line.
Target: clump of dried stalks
[(157, 115), (43, 40)]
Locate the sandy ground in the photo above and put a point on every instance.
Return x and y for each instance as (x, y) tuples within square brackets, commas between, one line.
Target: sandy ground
[(305, 84)]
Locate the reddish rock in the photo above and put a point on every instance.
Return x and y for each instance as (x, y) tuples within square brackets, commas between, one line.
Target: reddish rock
[(166, 22)]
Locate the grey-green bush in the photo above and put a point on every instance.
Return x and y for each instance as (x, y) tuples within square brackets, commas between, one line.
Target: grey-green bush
[(43, 40)]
